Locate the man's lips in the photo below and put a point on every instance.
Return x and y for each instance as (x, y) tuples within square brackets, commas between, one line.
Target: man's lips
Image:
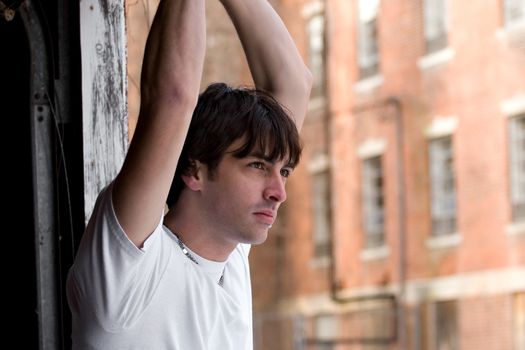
[(266, 215)]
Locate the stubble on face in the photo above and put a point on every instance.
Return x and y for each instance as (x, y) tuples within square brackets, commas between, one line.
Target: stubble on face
[(234, 199)]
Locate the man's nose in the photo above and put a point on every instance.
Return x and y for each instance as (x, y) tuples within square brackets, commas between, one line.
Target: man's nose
[(275, 189)]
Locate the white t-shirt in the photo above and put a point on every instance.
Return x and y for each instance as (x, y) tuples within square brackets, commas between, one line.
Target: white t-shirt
[(123, 297)]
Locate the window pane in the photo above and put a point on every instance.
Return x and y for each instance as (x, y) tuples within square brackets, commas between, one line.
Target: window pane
[(514, 12), (368, 54), (326, 329), (446, 337), (373, 202), (321, 214), (435, 25), (316, 52), (443, 188), (517, 166)]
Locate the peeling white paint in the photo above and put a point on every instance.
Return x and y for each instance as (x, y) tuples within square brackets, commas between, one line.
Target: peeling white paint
[(104, 97)]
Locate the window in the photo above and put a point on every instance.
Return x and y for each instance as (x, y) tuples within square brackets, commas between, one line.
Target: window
[(513, 12), (435, 25), (368, 55), (517, 166), (445, 321), (316, 52), (325, 331), (373, 204), (443, 188), (321, 214)]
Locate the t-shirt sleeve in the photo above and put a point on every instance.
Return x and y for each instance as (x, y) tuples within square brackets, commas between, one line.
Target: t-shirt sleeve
[(112, 276)]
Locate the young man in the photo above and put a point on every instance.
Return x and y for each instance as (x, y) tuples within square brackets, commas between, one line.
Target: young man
[(144, 281)]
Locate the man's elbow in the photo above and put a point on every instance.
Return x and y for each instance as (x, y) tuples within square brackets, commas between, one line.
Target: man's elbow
[(174, 95)]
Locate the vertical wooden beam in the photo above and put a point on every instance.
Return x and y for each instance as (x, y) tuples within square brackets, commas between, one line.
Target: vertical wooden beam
[(104, 93)]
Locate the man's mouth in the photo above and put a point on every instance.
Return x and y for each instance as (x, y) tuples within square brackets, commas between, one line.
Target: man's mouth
[(267, 216)]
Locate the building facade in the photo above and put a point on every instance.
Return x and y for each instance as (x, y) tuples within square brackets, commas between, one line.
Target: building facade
[(404, 226)]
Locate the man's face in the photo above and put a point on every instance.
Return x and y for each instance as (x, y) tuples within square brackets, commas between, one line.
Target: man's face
[(244, 194)]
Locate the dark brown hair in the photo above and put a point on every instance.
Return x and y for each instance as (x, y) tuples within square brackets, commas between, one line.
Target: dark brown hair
[(224, 115)]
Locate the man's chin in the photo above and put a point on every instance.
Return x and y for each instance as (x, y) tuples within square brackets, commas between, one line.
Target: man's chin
[(260, 238)]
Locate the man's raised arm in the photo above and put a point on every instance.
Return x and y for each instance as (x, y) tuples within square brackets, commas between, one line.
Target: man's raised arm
[(171, 76), (274, 61)]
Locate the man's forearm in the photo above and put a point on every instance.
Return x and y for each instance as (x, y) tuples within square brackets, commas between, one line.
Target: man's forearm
[(175, 49), (273, 58), (171, 75)]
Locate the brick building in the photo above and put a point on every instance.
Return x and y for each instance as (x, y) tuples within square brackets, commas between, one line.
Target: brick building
[(413, 175), (404, 226)]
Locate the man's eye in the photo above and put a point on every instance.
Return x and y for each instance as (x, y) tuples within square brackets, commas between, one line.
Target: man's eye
[(257, 165), (285, 172)]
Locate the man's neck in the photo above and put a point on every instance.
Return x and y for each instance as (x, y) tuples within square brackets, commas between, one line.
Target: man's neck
[(197, 234)]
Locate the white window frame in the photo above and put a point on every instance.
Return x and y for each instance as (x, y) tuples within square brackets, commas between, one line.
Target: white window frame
[(511, 108), (437, 335), (321, 226), (517, 166), (513, 13), (442, 185), (442, 127), (316, 51), (373, 201), (367, 38), (326, 329), (436, 26), (372, 148)]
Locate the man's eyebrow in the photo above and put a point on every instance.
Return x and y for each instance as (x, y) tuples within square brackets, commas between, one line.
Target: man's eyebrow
[(267, 158), (262, 156)]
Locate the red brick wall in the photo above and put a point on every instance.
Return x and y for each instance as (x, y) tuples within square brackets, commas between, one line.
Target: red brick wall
[(486, 323), (471, 86), (487, 68)]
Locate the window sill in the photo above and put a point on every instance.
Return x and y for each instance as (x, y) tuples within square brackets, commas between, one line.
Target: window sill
[(513, 106), (368, 84), (442, 127), (444, 241), (436, 58), (370, 254), (511, 33), (320, 262), (516, 229)]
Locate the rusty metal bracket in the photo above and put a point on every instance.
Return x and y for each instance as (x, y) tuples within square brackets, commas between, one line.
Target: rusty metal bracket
[(8, 10)]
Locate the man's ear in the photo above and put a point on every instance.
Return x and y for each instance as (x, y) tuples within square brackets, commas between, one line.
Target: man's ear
[(192, 178)]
